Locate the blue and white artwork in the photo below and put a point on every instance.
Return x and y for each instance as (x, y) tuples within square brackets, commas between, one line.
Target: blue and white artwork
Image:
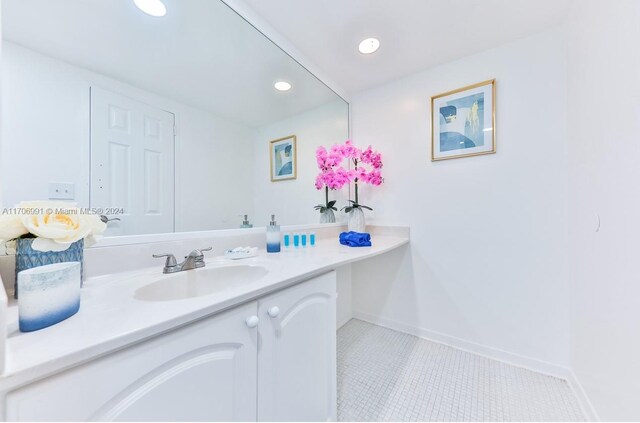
[(460, 123), (463, 122), (283, 158)]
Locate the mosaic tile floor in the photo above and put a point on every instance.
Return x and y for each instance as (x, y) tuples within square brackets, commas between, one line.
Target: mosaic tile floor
[(385, 375)]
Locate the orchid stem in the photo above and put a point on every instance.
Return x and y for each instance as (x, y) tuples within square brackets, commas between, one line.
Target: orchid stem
[(355, 161), (356, 190)]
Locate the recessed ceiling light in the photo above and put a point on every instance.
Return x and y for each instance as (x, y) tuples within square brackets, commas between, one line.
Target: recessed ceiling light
[(368, 46), (282, 86), (152, 7)]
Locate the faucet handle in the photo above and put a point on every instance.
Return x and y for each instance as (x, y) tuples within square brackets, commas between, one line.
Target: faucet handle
[(198, 255), (171, 259), (106, 219)]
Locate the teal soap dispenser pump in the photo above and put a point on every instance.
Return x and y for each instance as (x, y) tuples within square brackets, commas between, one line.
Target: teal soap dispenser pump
[(245, 222), (273, 236)]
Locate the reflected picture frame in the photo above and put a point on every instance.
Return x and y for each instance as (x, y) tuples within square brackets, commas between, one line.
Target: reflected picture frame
[(283, 155), (463, 122)]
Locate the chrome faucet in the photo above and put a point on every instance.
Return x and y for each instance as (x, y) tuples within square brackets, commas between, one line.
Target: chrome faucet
[(194, 260)]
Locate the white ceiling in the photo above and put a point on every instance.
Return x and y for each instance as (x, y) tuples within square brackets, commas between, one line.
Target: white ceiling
[(414, 34), (201, 53)]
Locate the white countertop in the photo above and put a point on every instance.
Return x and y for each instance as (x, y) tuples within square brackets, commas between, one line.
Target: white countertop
[(111, 318)]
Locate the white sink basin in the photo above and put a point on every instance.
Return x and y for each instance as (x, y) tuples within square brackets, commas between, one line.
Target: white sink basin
[(199, 282)]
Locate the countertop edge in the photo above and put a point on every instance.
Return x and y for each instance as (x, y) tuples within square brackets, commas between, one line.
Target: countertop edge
[(25, 375)]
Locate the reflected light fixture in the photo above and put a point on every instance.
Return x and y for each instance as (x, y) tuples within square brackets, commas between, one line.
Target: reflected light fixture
[(282, 86), (152, 7), (368, 46)]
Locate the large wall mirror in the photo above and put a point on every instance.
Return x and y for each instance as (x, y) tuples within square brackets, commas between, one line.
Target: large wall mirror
[(164, 122)]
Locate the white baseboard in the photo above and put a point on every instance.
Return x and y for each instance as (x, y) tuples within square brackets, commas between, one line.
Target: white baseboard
[(518, 360), (472, 347), (586, 405), (343, 321)]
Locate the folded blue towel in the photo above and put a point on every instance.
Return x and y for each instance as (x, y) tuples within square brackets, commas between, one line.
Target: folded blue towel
[(355, 239)]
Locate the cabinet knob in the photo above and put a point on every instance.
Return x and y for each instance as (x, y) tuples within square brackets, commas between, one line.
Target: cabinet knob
[(252, 321), (273, 311)]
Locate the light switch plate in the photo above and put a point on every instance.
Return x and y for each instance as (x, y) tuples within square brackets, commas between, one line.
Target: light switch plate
[(62, 191)]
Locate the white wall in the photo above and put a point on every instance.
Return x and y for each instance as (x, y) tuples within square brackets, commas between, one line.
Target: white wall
[(486, 264), (46, 104), (214, 183), (603, 127), (1, 122), (292, 201), (344, 311)]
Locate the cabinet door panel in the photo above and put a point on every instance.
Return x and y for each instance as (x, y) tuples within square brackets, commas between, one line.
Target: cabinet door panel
[(205, 371), (186, 388), (297, 353)]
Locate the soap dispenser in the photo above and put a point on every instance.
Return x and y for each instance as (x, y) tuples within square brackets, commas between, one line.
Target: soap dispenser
[(245, 222), (273, 236)]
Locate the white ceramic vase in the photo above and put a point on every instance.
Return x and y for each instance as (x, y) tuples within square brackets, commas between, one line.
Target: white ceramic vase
[(327, 216), (356, 220)]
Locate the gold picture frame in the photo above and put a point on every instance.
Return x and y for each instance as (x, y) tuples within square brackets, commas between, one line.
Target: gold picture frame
[(451, 147), (283, 156)]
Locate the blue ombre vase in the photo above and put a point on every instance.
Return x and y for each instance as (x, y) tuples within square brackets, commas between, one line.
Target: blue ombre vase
[(48, 295), (28, 258)]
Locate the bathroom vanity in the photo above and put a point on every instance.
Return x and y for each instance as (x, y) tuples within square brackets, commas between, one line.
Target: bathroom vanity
[(217, 346)]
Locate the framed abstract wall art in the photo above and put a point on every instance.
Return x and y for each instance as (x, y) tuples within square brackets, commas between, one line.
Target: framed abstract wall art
[(463, 122), (283, 156)]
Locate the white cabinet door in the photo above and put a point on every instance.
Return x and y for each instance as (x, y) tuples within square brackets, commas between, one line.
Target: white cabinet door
[(203, 372), (297, 352), (132, 163)]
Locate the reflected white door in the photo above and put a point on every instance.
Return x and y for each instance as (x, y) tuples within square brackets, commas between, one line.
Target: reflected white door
[(132, 163)]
